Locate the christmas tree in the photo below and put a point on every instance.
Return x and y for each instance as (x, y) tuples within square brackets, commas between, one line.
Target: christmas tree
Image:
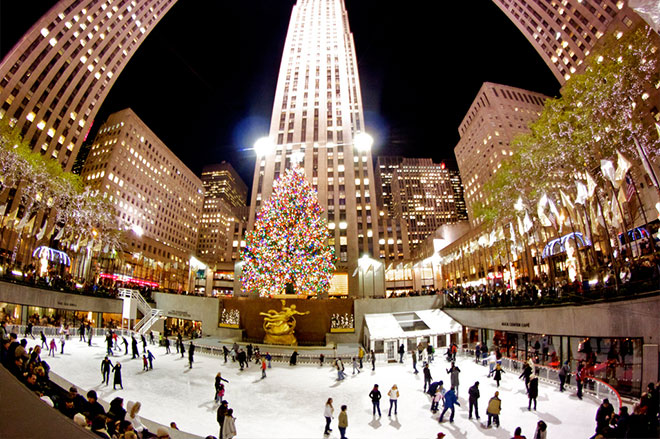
[(287, 250)]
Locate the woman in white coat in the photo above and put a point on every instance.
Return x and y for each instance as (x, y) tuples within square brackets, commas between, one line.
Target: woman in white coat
[(229, 426)]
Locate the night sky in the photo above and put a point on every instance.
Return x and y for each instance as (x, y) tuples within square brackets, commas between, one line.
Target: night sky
[(204, 79)]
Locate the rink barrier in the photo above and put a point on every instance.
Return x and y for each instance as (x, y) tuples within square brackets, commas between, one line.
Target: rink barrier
[(550, 375)]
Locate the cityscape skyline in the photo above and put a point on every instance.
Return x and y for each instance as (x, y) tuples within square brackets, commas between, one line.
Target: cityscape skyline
[(232, 116)]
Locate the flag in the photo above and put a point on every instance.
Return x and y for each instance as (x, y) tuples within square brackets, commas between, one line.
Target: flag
[(621, 196), (59, 234), (527, 222), (521, 230), (519, 206), (22, 223), (582, 193), (648, 166), (614, 211), (607, 168), (540, 211), (512, 233), (591, 185), (2, 209), (599, 216), (630, 187), (622, 167)]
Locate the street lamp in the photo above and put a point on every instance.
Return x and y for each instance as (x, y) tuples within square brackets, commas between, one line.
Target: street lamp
[(263, 146), (363, 142)]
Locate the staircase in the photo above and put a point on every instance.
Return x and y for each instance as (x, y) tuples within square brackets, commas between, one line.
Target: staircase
[(151, 315)]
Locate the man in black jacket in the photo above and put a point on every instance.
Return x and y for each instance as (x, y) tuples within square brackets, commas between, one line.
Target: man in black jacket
[(473, 400)]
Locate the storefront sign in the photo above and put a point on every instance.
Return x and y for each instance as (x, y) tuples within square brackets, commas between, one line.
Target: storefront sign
[(176, 313), (515, 324), (64, 304)]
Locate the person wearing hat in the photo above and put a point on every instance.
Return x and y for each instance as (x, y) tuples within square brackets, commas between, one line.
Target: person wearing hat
[(494, 409), (604, 415), (161, 433), (441, 435)]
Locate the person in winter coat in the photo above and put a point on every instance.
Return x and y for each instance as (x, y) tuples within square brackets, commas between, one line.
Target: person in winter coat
[(375, 399), (517, 434), (564, 370), (219, 387), (473, 393), (106, 365), (492, 360), (355, 366), (116, 410), (328, 411), (294, 358), (413, 355), (437, 397), (580, 377), (402, 350), (372, 356), (229, 426), (343, 422), (394, 397), (494, 409), (132, 410), (453, 372), (263, 368), (117, 376), (191, 354), (604, 416), (53, 348), (532, 391), (498, 374), (220, 414), (450, 400), (541, 430), (526, 373), (134, 347), (427, 376)]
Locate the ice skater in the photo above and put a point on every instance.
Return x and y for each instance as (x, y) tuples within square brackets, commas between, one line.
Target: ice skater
[(563, 373), (427, 376), (125, 342), (355, 366), (81, 330), (263, 368), (450, 400), (62, 342), (473, 400), (106, 365), (375, 399), (117, 376), (498, 374), (532, 390), (53, 347), (394, 398), (413, 355), (134, 347), (219, 387), (437, 396), (372, 355), (342, 422), (453, 372), (327, 413), (167, 346), (494, 409), (191, 354), (151, 358), (145, 363), (44, 343)]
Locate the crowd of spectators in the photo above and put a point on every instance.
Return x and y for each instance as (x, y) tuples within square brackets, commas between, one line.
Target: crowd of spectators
[(28, 367), (633, 278)]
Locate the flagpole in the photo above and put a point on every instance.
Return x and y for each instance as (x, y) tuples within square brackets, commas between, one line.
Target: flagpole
[(623, 218), (609, 244), (641, 207)]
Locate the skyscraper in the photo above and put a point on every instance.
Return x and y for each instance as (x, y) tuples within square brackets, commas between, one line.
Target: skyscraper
[(224, 216), (564, 32), (158, 199), (56, 77), (318, 121), (496, 116)]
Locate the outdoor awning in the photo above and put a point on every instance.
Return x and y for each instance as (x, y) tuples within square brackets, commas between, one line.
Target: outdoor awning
[(410, 324)]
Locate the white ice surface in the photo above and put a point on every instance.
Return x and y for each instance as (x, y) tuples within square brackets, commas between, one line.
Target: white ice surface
[(289, 402)]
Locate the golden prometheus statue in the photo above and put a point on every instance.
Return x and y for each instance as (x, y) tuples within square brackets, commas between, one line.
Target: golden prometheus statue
[(279, 325)]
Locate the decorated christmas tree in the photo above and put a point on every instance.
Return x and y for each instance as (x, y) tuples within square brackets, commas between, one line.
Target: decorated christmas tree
[(288, 251)]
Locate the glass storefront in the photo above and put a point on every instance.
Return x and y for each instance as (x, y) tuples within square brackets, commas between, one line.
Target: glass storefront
[(614, 360), (187, 328)]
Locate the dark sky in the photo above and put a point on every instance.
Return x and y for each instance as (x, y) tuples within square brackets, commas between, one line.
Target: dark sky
[(204, 79)]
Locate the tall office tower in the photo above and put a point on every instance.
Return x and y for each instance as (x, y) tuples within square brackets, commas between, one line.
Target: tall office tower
[(224, 215), (56, 77), (423, 195), (158, 199), (496, 116), (564, 32), (318, 122)]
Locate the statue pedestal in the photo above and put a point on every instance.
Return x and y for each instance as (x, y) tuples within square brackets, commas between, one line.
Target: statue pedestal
[(283, 339)]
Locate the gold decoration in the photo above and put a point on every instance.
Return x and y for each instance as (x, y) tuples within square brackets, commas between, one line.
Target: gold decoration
[(279, 325)]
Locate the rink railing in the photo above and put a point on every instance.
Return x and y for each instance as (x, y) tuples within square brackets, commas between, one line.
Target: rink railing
[(592, 386)]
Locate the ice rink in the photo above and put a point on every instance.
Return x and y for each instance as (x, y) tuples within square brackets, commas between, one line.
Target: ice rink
[(289, 403)]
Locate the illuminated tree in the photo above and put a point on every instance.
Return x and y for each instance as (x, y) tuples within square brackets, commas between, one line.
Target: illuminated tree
[(287, 249)]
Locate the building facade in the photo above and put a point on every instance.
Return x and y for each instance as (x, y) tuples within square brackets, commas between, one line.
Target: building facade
[(224, 215), (54, 80), (565, 32), (158, 200), (496, 116), (317, 122)]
